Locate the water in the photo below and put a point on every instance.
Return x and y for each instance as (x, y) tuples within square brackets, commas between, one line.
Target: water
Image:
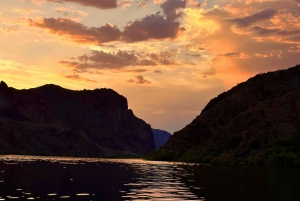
[(57, 178)]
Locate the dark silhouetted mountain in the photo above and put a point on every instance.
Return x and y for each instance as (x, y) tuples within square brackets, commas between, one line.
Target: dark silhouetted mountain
[(256, 122), (160, 137), (51, 120)]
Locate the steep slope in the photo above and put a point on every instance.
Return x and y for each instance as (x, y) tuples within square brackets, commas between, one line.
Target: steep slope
[(51, 120), (160, 137), (257, 121)]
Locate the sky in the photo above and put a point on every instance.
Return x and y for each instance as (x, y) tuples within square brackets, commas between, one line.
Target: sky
[(167, 57)]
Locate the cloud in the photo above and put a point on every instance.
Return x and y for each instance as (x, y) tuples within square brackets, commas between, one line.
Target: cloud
[(157, 71), (194, 55), (159, 112), (135, 71), (151, 27), (209, 71), (230, 54), (157, 1), (139, 79), (36, 2), (78, 32), (156, 26), (117, 60), (254, 40), (194, 3), (126, 3), (8, 29), (170, 8), (25, 11), (260, 31), (77, 77), (101, 4), (250, 19), (67, 11), (142, 5)]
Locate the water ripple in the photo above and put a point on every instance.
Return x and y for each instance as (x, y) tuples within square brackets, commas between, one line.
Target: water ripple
[(158, 182)]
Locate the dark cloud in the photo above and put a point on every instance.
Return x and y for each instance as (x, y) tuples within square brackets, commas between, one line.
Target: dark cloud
[(230, 54), (78, 32), (298, 1), (102, 60), (157, 71), (163, 58), (250, 19), (139, 79), (117, 60), (156, 26), (151, 27), (101, 4), (260, 31), (170, 8)]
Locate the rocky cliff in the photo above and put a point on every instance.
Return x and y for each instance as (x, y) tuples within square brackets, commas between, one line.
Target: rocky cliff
[(160, 137), (51, 120), (255, 122)]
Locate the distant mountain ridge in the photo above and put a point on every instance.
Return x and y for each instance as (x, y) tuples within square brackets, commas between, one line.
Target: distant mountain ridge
[(51, 120), (160, 137), (255, 122)]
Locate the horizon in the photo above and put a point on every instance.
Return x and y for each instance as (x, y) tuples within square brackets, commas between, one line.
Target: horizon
[(201, 49)]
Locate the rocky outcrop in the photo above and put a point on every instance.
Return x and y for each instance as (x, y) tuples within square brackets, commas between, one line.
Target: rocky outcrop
[(51, 120), (257, 121), (160, 137)]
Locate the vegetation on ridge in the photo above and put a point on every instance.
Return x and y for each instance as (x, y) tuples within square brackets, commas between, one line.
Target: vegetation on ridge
[(255, 123)]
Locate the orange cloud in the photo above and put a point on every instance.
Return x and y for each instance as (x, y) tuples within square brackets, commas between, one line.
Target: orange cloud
[(142, 5), (75, 76), (67, 11), (157, 1), (243, 38)]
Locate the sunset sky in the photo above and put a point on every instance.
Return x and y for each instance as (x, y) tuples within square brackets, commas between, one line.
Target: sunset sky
[(167, 57)]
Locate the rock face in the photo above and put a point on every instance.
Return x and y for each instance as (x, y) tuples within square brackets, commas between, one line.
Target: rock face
[(160, 137), (257, 121), (50, 120)]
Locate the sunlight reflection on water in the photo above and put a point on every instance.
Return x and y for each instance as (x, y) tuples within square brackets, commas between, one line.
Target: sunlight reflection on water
[(158, 181), (151, 181), (86, 179)]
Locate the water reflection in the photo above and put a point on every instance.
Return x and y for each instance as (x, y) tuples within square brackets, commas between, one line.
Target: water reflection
[(158, 181), (57, 178)]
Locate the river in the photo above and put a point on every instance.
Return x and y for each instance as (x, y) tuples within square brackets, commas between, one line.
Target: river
[(62, 178)]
